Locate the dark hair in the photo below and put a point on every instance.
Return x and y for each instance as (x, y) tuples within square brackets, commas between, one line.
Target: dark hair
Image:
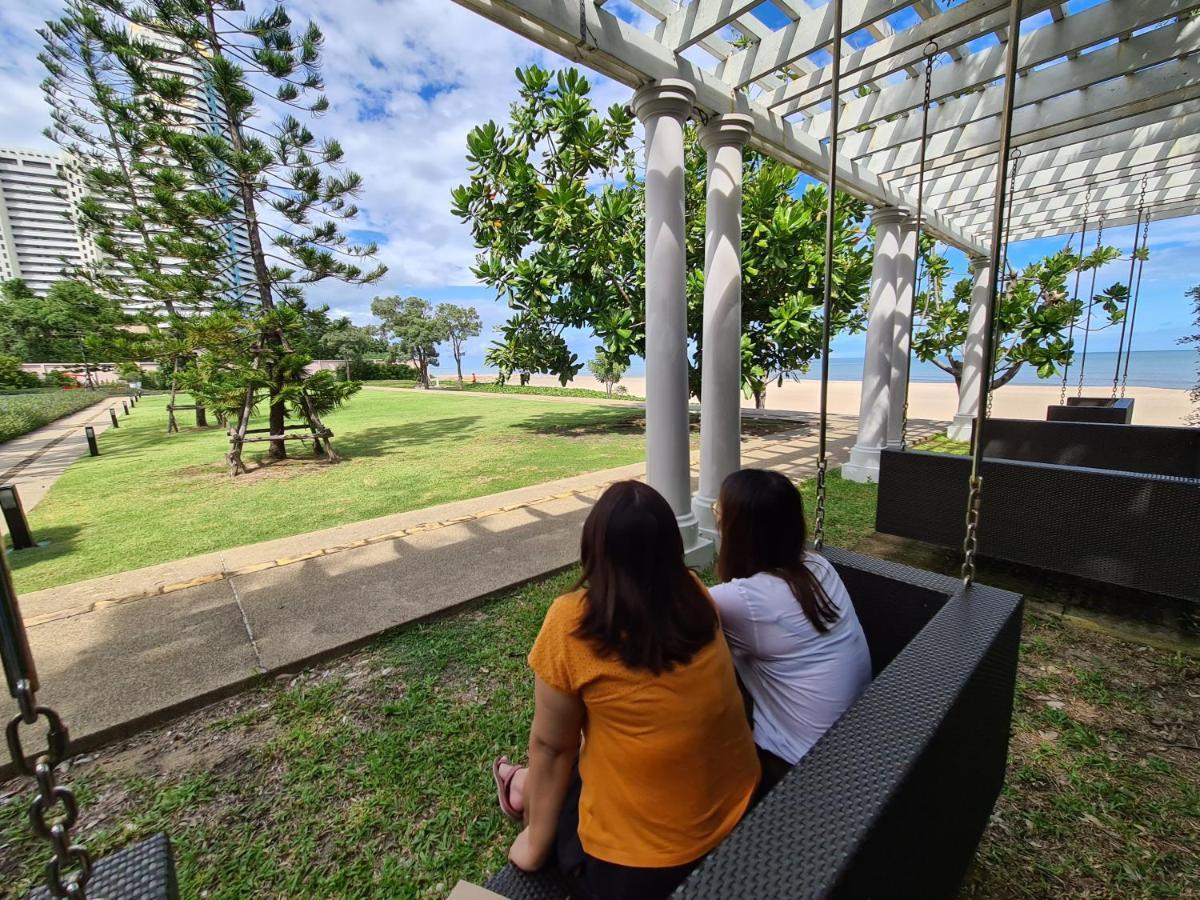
[(643, 604), (763, 530)]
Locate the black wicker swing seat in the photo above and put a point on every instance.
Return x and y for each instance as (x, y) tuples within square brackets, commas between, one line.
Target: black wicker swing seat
[(892, 801), (1118, 504), (1111, 410)]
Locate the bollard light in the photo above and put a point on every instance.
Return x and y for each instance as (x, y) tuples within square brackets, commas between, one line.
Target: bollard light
[(90, 433), (133, 399), (112, 414), (14, 517), (125, 406)]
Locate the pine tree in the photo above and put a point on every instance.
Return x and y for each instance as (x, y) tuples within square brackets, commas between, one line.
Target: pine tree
[(285, 191)]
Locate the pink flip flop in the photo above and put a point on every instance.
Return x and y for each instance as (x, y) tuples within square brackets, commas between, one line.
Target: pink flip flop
[(503, 784)]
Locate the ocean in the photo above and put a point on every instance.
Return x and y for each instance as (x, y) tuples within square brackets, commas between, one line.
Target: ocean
[(1147, 368)]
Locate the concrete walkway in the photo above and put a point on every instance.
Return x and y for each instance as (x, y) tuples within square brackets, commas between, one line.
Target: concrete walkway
[(118, 653), (34, 461)]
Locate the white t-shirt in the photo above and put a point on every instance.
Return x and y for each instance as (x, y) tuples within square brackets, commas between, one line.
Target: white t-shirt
[(801, 680)]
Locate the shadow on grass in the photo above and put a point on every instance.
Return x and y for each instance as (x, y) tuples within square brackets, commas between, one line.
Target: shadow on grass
[(383, 440), (61, 541), (585, 424)]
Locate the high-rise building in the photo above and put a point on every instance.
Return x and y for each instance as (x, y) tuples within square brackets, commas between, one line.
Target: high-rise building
[(38, 237)]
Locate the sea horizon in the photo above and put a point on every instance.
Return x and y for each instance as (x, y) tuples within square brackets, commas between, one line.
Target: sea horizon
[(1173, 369)]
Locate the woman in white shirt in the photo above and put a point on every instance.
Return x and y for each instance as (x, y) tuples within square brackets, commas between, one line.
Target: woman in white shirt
[(796, 640)]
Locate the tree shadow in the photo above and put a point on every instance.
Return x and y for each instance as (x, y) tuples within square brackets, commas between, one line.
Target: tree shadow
[(633, 422), (61, 541), (384, 440)]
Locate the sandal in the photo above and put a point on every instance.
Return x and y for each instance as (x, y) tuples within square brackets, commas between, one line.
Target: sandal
[(503, 784)]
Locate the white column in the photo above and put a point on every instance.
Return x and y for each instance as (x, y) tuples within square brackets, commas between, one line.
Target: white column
[(968, 392), (723, 137), (902, 328), (875, 401), (663, 107)]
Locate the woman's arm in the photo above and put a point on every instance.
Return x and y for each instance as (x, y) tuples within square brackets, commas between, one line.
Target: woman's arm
[(553, 746)]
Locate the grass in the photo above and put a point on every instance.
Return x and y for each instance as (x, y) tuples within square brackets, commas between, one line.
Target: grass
[(152, 498), (369, 776), (940, 443), (449, 383), (21, 413)]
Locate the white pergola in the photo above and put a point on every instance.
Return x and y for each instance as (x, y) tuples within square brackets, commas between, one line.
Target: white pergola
[(1105, 124)]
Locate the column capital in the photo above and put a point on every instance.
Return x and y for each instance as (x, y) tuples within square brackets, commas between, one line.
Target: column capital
[(978, 263), (665, 97), (889, 215), (726, 130)]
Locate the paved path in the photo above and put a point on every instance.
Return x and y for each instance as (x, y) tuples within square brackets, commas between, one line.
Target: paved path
[(118, 653), (35, 461)]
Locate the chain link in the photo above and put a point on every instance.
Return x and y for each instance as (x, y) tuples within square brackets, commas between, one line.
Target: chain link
[(1087, 325), (1087, 205), (1138, 290), (68, 870), (970, 540), (819, 518)]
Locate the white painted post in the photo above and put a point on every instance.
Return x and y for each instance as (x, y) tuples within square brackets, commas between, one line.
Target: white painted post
[(874, 403), (663, 107), (968, 391), (901, 328), (723, 137)]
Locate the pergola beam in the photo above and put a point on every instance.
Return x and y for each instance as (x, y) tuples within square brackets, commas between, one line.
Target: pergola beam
[(697, 20), (1169, 188), (1084, 29), (1134, 162), (1063, 84), (1172, 82), (625, 54), (1116, 219)]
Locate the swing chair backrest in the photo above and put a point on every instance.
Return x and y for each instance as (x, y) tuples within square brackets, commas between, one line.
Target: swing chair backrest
[(1153, 449)]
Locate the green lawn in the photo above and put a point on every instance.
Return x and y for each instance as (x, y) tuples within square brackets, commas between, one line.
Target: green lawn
[(369, 776), (491, 387), (150, 497)]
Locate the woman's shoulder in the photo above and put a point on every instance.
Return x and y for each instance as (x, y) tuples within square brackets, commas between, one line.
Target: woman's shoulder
[(566, 609)]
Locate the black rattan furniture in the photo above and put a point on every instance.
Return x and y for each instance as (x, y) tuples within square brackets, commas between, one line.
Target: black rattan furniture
[(893, 799), (1109, 410), (1118, 504), (145, 871)]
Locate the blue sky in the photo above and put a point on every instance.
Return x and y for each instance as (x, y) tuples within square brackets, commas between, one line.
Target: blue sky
[(405, 93)]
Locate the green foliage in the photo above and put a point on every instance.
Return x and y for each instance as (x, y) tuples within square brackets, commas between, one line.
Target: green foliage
[(22, 413), (11, 375), (412, 329), (374, 370), (563, 252), (1034, 313), (606, 370)]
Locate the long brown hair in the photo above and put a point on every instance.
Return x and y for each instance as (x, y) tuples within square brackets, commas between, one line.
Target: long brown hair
[(763, 530), (643, 604)]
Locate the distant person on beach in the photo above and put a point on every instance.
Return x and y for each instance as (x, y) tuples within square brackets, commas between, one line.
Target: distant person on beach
[(796, 640), (473, 379), (640, 755)]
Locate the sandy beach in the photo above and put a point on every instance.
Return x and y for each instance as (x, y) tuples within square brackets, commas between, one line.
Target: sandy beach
[(939, 401)]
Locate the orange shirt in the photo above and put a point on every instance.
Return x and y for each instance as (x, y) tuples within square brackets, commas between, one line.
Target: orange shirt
[(668, 761)]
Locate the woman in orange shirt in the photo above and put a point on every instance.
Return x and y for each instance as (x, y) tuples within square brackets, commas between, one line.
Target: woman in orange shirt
[(634, 685)]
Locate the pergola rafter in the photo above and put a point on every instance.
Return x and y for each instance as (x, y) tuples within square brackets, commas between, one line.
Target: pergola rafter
[(1106, 96)]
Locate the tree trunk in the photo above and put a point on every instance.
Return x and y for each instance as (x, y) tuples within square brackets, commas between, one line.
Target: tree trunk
[(760, 398), (277, 449), (458, 365), (1008, 375), (524, 379)]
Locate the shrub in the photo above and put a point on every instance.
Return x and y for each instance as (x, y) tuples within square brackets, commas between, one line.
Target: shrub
[(22, 413), (11, 376), (373, 370)]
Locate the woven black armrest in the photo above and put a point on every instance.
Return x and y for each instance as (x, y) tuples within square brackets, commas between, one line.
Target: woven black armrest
[(511, 882)]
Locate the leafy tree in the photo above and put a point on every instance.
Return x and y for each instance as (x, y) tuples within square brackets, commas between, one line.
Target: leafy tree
[(607, 371), (12, 376), (461, 323), (415, 328), (1033, 313), (345, 340), (566, 253), (1193, 294), (276, 184)]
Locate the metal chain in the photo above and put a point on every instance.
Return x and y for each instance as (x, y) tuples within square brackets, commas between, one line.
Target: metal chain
[(1133, 254), (68, 870), (931, 52), (971, 541), (1062, 394), (819, 517), (1136, 293), (1087, 325), (1015, 156)]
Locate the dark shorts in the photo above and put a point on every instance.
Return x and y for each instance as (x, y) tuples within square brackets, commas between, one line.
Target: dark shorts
[(595, 879)]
